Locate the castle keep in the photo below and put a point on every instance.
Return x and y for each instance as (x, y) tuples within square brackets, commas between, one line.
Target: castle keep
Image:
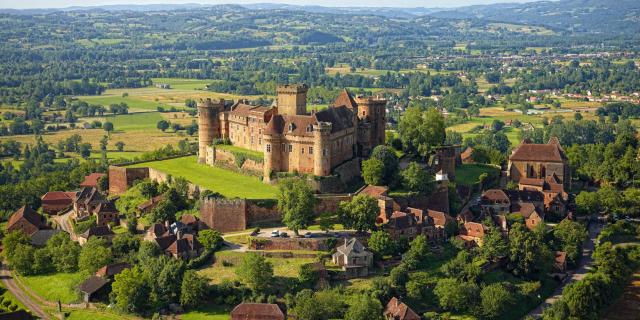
[(291, 139)]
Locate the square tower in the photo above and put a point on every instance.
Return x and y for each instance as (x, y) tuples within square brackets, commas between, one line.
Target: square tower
[(292, 99)]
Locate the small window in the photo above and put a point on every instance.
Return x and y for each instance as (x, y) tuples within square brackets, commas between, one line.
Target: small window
[(324, 152), (268, 147), (302, 150), (309, 128), (291, 127), (290, 148), (310, 150)]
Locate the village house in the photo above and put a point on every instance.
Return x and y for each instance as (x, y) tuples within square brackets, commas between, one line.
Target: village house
[(257, 311), (27, 221), (177, 239), (90, 202), (149, 205), (396, 310), (103, 232), (472, 233), (354, 258), (91, 181), (560, 261), (54, 202), (467, 156)]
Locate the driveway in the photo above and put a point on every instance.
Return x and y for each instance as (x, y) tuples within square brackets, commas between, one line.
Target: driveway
[(64, 221), (10, 284), (584, 266)]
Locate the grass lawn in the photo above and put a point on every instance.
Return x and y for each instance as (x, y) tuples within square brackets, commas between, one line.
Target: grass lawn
[(134, 104), (468, 174), (135, 121), (207, 313), (286, 268), (184, 84), (226, 182), (55, 286), (78, 314), (233, 148)]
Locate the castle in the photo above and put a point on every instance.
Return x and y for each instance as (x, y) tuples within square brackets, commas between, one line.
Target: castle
[(290, 138)]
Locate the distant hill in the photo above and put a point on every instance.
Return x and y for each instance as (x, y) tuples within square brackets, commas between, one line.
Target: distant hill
[(583, 16)]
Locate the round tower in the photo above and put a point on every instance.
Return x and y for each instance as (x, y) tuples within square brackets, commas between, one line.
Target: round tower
[(208, 126), (271, 138), (322, 149)]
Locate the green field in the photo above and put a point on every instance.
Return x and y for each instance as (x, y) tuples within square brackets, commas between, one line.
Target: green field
[(207, 313), (55, 286), (133, 103), (135, 121), (95, 315), (184, 84), (228, 183), (468, 174)]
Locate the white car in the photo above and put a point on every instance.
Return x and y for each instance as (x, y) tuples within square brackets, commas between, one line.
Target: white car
[(275, 234)]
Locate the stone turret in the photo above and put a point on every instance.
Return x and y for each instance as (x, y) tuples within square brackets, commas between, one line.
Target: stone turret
[(208, 125), (322, 149), (272, 152), (292, 99), (372, 110)]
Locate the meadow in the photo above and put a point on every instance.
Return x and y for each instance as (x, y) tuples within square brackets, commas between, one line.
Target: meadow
[(228, 183), (468, 174), (55, 286)]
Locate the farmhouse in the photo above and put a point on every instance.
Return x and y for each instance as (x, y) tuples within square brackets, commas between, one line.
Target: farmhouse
[(396, 310), (257, 311), (27, 221), (57, 201), (354, 258)]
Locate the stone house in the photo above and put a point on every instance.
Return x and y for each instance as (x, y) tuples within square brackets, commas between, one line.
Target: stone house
[(354, 258), (257, 311), (103, 232), (396, 310), (27, 221), (495, 201), (472, 233), (91, 181), (54, 202), (539, 161)]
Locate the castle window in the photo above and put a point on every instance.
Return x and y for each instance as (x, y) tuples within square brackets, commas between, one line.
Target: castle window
[(290, 148), (290, 127), (302, 150), (260, 141), (310, 150), (309, 128), (324, 152), (268, 147)]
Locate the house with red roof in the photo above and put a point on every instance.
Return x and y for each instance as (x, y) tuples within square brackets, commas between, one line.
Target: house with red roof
[(396, 310), (257, 311), (539, 161), (27, 221), (54, 202), (91, 181)]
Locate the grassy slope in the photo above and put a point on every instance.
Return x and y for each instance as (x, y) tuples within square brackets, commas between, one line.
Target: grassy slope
[(468, 174), (55, 286), (207, 313), (226, 182)]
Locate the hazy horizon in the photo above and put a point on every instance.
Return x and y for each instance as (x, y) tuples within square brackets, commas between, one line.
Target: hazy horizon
[(47, 4)]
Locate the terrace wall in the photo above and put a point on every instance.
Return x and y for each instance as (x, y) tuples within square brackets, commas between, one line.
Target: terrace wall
[(120, 179)]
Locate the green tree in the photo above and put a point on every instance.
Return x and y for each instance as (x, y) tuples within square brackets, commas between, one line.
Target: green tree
[(307, 307), (22, 259), (588, 203), (11, 241), (494, 245), (107, 126), (420, 131), (528, 252), (130, 290), (163, 125), (210, 239), (124, 245), (64, 252), (120, 146), (360, 213), (165, 211), (416, 178), (455, 295), (364, 307), (571, 235), (85, 150), (296, 202), (94, 255), (381, 243), (256, 272), (193, 289), (418, 252), (496, 299), (391, 164), (373, 172)]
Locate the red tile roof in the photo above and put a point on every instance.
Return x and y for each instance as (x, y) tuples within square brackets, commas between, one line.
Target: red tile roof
[(439, 218), (29, 216), (92, 180), (374, 191), (255, 311), (345, 99), (550, 152), (57, 195), (399, 311)]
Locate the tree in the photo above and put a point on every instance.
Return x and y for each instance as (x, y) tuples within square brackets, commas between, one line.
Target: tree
[(588, 203), (373, 172), (381, 243), (256, 272), (418, 252), (193, 289), (495, 300), (130, 290), (528, 251), (494, 245), (390, 162), (124, 245), (571, 235), (120, 146), (455, 295), (164, 211), (64, 252), (462, 267), (360, 213), (420, 131), (577, 116), (11, 241), (22, 259), (103, 183), (95, 254), (364, 307), (296, 202), (307, 307), (308, 275), (163, 125), (415, 178), (85, 150), (107, 126), (210, 239)]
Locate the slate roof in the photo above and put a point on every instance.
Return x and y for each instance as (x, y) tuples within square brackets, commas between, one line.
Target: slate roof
[(352, 245), (92, 284), (401, 220), (341, 118), (40, 237)]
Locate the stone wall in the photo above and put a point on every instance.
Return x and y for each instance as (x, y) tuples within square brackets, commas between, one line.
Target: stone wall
[(330, 203), (258, 212), (224, 215), (120, 179), (221, 156), (348, 171)]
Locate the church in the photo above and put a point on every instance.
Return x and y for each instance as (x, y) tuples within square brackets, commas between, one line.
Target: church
[(292, 139)]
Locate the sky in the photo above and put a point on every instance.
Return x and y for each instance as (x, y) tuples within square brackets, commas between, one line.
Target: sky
[(30, 4)]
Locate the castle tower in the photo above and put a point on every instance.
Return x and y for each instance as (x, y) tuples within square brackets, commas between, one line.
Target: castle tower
[(322, 149), (272, 152), (373, 111), (208, 125), (292, 99)]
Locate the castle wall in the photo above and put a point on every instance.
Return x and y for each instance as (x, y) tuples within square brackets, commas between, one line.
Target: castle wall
[(224, 215), (120, 179)]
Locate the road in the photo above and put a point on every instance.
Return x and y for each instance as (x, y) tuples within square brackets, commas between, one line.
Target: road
[(579, 274), (64, 222), (9, 283)]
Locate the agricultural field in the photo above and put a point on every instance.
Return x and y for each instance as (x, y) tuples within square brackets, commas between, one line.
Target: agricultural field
[(183, 84), (83, 314), (207, 313), (228, 183), (285, 268)]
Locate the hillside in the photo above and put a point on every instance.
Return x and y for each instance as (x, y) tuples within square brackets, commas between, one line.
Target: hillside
[(582, 16)]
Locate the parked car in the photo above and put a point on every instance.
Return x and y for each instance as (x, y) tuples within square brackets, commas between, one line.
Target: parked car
[(284, 235), (308, 235), (275, 233)]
